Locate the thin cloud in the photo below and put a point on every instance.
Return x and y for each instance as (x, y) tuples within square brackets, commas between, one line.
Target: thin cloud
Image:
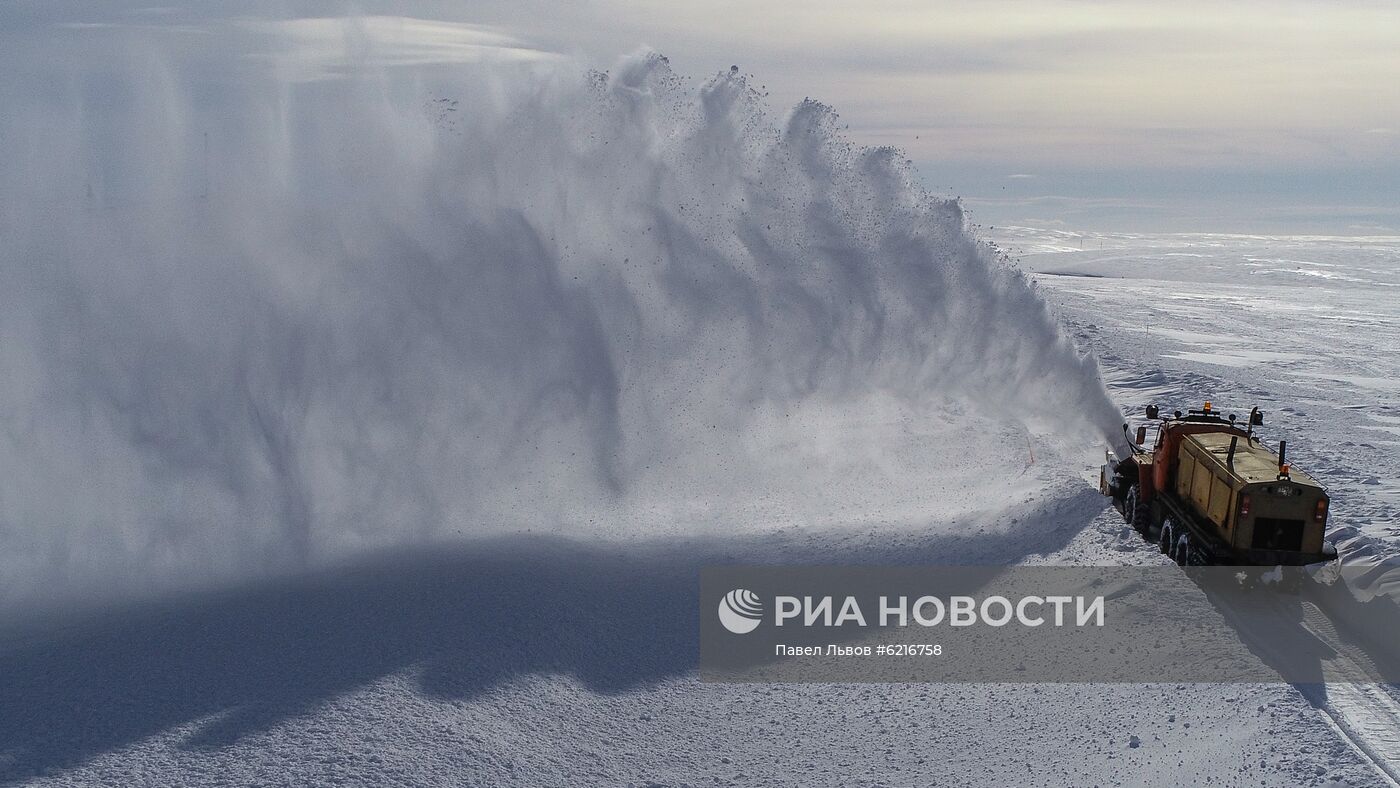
[(316, 48)]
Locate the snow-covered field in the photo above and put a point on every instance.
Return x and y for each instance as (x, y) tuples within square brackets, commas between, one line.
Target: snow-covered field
[(1304, 327), (548, 662), (559, 660), (350, 438)]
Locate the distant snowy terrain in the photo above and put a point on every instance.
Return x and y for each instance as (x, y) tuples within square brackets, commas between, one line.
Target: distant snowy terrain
[(1304, 327)]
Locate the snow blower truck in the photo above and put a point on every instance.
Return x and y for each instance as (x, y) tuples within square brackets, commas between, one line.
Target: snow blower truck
[(1210, 492)]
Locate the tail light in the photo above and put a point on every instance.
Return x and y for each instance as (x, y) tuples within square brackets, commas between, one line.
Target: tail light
[(1244, 505), (1321, 513)]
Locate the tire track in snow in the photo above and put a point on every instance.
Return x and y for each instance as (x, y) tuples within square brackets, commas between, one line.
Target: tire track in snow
[(1366, 715)]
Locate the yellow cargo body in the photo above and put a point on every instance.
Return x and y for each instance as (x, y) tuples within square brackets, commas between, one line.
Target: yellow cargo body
[(1244, 496)]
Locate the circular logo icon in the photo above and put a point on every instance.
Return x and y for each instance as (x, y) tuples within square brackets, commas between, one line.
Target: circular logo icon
[(740, 611)]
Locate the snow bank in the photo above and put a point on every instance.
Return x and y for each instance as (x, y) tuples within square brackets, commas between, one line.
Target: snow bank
[(252, 324)]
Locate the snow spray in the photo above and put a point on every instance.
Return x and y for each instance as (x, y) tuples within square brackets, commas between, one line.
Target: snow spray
[(251, 322)]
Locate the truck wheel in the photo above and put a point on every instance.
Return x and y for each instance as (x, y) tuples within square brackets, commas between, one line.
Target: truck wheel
[(1135, 512), (1168, 536), (1183, 550), (1200, 555)]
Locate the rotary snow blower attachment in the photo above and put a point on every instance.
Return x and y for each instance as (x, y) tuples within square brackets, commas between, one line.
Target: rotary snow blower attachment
[(1209, 491)]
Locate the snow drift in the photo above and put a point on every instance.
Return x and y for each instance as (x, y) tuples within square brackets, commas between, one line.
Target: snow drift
[(252, 323)]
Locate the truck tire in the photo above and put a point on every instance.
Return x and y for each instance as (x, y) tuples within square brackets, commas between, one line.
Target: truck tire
[(1135, 512), (1183, 550), (1167, 539)]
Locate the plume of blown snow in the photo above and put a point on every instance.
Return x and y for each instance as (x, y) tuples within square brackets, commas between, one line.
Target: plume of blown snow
[(252, 323)]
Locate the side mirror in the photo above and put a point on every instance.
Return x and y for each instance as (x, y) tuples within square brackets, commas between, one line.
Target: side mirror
[(1142, 435), (1151, 412), (1256, 418)]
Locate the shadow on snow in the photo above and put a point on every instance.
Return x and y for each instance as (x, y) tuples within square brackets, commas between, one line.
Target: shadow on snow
[(464, 619)]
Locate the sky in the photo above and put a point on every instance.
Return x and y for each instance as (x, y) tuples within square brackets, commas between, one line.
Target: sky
[(1279, 117)]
